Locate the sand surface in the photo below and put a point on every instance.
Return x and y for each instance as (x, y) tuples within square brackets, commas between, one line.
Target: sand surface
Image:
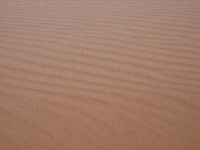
[(99, 74)]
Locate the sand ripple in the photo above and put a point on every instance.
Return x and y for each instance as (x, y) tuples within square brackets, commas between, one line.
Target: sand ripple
[(99, 75)]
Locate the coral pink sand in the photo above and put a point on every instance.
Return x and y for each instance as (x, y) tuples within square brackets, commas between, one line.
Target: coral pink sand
[(100, 75)]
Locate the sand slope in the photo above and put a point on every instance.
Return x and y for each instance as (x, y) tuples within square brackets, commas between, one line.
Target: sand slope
[(99, 75)]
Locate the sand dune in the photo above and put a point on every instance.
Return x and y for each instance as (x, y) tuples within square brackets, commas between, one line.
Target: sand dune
[(99, 75)]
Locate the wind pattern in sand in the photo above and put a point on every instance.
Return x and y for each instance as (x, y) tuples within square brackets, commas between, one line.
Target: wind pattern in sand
[(99, 75)]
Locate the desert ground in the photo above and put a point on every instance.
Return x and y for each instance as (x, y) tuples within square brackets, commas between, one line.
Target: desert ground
[(99, 74)]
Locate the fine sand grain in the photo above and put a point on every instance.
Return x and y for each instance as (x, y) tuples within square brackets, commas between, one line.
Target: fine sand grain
[(99, 74)]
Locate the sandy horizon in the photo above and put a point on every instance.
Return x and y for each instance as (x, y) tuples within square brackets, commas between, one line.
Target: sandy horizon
[(99, 75)]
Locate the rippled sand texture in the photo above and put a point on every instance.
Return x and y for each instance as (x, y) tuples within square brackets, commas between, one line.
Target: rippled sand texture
[(99, 75)]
